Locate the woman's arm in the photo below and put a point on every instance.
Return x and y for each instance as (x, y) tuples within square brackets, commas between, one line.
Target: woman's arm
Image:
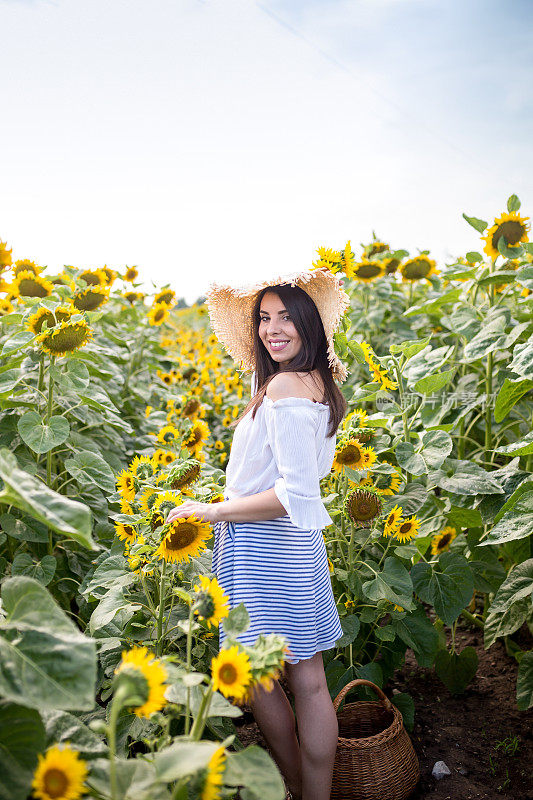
[(253, 508)]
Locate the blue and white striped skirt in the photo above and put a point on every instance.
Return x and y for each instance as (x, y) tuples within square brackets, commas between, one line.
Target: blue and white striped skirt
[(281, 574)]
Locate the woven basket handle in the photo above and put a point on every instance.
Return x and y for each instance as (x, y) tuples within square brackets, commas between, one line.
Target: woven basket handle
[(362, 682)]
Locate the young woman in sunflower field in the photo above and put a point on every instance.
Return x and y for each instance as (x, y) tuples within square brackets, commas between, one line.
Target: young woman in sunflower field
[(269, 551)]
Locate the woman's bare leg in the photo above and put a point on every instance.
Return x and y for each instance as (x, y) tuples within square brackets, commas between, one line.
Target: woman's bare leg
[(275, 718), (318, 728)]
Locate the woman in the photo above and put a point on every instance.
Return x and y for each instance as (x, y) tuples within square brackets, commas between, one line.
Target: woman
[(269, 550)]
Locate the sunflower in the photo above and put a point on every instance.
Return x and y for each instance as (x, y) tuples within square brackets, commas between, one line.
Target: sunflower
[(130, 274), (149, 674), (374, 248), (91, 298), (192, 407), (139, 561), (182, 538), (133, 297), (363, 435), (391, 264), (164, 503), (169, 434), (158, 314), (165, 296), (125, 483), (66, 338), (5, 307), (328, 259), (442, 540), (407, 529), (197, 435), (394, 480), (349, 605), (231, 672), (347, 260), (358, 417), (212, 603), (5, 256), (367, 271), (126, 532), (512, 227), (365, 482), (363, 506), (351, 454), (63, 280), (378, 372), (52, 318), (212, 782), (386, 382), (147, 499), (26, 264), (142, 467), (60, 774), (415, 269), (125, 506), (27, 284), (110, 275), (327, 254), (164, 457), (94, 277), (392, 521), (166, 377)]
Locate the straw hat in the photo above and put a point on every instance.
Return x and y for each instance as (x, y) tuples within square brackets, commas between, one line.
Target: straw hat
[(230, 311)]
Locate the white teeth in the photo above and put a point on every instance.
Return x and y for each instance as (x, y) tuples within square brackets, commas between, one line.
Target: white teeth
[(277, 345)]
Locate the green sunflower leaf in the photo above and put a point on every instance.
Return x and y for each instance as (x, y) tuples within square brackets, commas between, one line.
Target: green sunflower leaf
[(34, 498), (45, 661), (478, 224), (40, 435)]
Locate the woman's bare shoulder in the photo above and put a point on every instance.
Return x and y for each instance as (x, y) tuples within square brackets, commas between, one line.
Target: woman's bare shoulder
[(287, 384)]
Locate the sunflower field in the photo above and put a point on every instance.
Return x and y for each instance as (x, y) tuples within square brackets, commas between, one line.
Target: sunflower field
[(115, 406)]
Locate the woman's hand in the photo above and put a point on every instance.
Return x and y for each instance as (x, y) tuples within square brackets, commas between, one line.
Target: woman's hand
[(205, 512)]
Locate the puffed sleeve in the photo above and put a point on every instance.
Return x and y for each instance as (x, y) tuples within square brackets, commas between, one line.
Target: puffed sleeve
[(291, 428)]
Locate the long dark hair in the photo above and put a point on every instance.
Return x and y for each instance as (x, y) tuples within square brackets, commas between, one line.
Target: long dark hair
[(313, 353)]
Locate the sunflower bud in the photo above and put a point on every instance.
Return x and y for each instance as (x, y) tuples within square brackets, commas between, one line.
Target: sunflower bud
[(133, 686), (204, 605)]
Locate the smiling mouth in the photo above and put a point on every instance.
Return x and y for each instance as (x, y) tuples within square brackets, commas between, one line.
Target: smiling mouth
[(278, 345)]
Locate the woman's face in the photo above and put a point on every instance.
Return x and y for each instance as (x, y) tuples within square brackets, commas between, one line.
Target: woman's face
[(276, 325)]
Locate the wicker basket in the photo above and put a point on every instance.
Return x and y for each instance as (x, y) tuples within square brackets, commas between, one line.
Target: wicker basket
[(375, 759)]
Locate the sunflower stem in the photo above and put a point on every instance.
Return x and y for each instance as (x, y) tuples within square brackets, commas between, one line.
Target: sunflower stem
[(199, 722), (488, 383), (363, 545), (49, 453), (454, 625), (189, 643), (116, 705), (161, 611), (148, 595), (473, 619), (178, 787)]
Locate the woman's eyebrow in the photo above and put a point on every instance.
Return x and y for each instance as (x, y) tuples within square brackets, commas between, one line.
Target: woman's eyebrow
[(283, 311)]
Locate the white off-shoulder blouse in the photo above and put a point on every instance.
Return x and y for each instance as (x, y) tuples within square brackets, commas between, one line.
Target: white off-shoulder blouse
[(284, 447)]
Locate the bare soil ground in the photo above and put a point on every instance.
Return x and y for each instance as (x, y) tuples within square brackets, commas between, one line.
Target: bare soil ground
[(465, 731)]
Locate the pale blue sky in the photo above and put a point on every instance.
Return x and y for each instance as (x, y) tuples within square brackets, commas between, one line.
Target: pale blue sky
[(215, 140)]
